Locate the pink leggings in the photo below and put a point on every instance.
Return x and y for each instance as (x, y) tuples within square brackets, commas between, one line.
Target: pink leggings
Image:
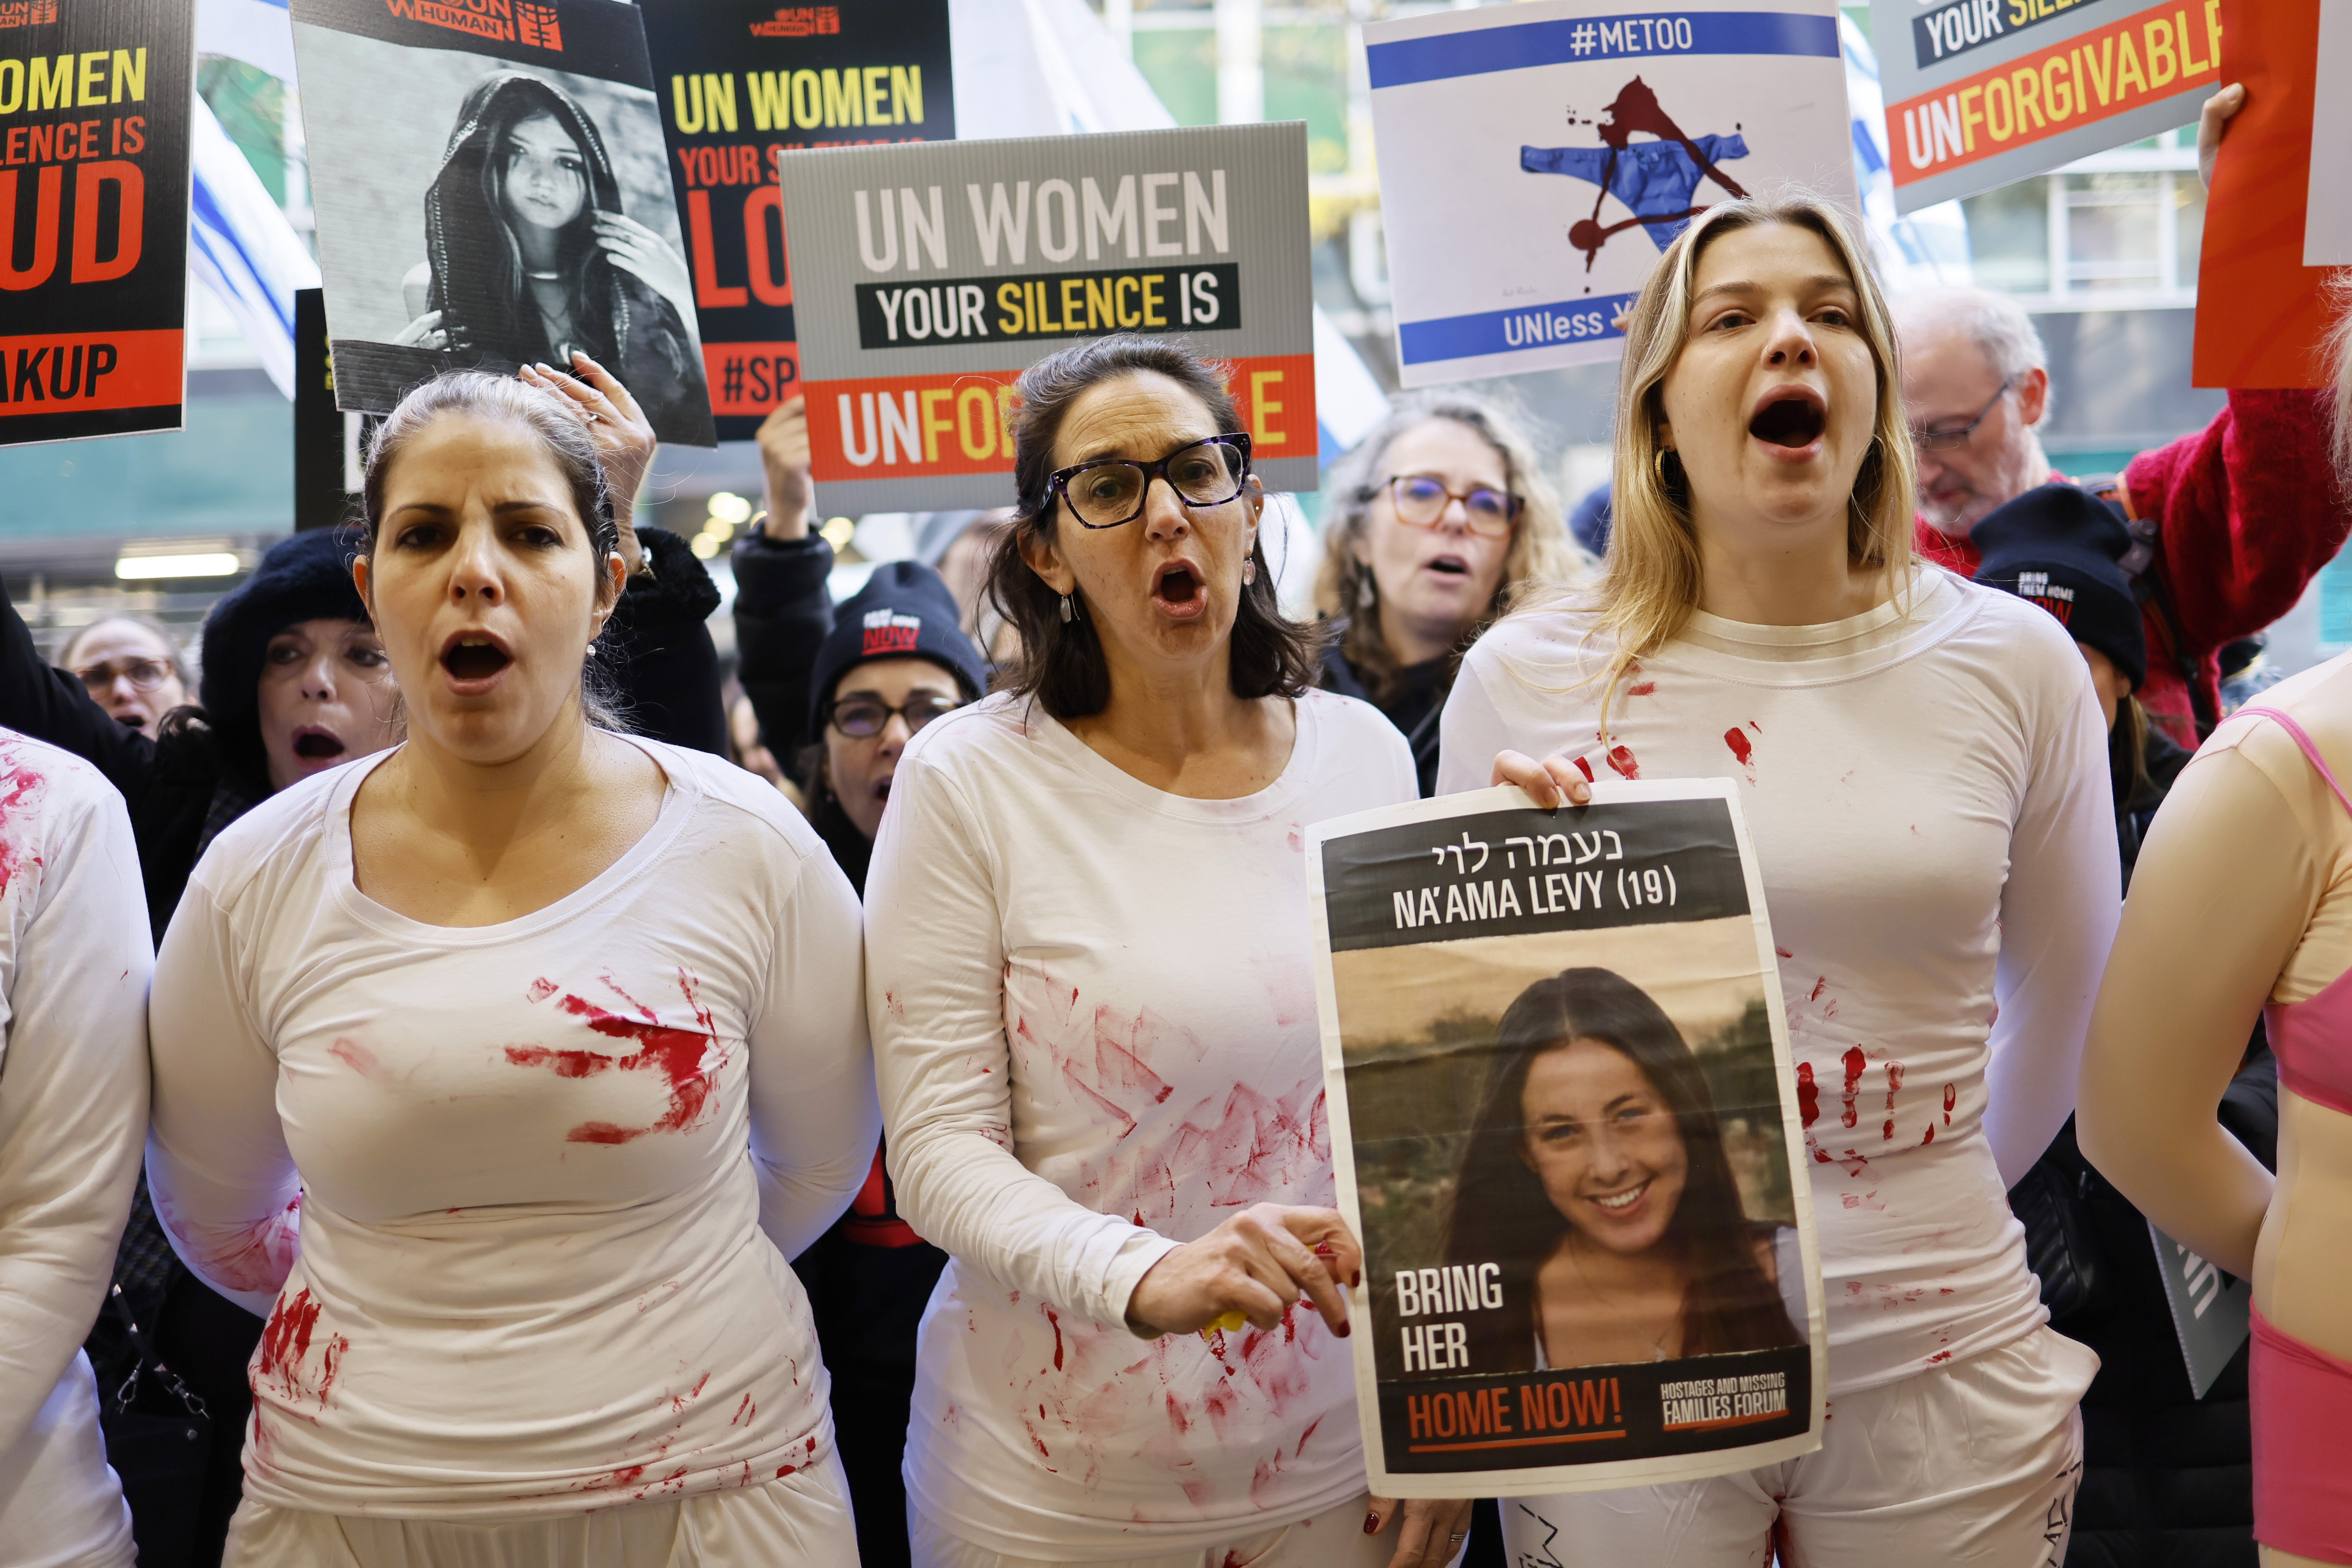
[(2303, 1446)]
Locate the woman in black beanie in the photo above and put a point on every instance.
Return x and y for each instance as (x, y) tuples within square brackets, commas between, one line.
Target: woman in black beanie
[(294, 682), (2167, 1475)]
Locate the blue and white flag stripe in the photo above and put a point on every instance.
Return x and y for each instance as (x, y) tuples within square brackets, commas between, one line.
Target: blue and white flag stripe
[(1559, 43), (241, 247)]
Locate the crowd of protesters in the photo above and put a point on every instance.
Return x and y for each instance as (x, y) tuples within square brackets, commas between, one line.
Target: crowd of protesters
[(588, 1119)]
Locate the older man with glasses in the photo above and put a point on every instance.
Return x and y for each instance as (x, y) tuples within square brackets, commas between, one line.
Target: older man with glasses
[(2231, 522)]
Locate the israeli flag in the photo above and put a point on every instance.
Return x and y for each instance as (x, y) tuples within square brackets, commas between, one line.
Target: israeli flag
[(241, 247), (258, 32), (1925, 249)]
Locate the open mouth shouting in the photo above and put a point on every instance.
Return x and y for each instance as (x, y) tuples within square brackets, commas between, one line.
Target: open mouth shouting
[(1178, 591), (316, 744), (1790, 421), (1447, 565), (472, 662)]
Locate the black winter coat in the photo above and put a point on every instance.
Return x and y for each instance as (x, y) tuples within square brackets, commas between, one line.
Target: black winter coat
[(1416, 700)]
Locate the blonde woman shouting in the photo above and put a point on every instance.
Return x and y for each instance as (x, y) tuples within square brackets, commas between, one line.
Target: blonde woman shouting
[(1923, 770)]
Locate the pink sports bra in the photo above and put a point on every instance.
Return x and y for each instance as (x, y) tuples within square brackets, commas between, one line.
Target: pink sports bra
[(2312, 1038)]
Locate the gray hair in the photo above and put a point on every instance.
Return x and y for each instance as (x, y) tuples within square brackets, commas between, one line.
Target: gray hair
[(1994, 321), (148, 623)]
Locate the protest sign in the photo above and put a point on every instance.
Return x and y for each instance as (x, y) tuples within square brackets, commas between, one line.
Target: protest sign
[(1982, 92), (94, 105), (2211, 1311), (1553, 1044), (2327, 218), (934, 275), (492, 189), (741, 80), (2261, 313), (1522, 211)]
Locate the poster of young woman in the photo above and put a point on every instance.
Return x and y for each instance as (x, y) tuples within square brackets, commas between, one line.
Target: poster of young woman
[(1563, 1115), (741, 80), (492, 190)]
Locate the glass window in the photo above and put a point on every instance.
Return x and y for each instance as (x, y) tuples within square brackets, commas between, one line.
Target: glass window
[(2187, 223), (2112, 229), (2009, 236)]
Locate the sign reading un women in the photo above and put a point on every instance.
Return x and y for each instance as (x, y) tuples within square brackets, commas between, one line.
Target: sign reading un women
[(1535, 158)]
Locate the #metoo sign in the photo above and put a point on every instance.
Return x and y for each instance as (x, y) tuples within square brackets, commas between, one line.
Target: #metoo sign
[(928, 277)]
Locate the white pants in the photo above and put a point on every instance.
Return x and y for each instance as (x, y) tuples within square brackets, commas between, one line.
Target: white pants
[(1972, 1466), (800, 1521), (1332, 1538), (60, 1507)]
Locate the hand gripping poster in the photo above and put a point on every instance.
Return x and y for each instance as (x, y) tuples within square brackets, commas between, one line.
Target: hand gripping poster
[(1535, 158), (492, 190), (94, 102), (741, 80), (1562, 1111)]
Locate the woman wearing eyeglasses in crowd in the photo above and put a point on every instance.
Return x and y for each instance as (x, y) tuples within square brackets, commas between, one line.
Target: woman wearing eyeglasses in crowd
[(1092, 994), (295, 683), (1922, 766), (1441, 519), (131, 667)]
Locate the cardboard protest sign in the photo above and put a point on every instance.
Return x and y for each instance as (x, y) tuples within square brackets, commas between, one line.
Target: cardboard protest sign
[(2261, 312), (741, 80), (1553, 1042), (1535, 158), (492, 189), (94, 102), (2328, 215), (2211, 1311), (1982, 92), (932, 276)]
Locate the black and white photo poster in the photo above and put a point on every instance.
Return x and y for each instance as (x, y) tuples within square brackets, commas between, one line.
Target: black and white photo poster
[(1563, 1115), (492, 190)]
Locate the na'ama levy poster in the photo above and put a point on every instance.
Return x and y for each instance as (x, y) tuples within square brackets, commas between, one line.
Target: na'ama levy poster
[(1557, 1061), (492, 190), (1535, 160)]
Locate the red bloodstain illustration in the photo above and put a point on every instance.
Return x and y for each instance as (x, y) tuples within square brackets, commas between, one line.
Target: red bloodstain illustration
[(1951, 1098), (1809, 1097), (1056, 1322), (1741, 752), (1643, 688), (1931, 1136), (1784, 953), (1620, 758), (540, 989), (19, 783), (1854, 1064), (1894, 1082), (1820, 985), (1585, 768), (677, 1054), (744, 1413), (282, 1362), (1939, 1355)]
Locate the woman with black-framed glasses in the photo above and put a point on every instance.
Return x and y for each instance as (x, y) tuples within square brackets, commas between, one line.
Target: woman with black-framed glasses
[(1090, 980), (1439, 520)]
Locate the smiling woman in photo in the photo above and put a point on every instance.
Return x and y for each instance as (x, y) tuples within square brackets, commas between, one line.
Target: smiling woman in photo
[(530, 257), (1596, 1180)]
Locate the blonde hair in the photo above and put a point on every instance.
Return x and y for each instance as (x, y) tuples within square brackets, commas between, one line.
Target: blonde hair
[(1650, 583), (1541, 557), (2336, 355)]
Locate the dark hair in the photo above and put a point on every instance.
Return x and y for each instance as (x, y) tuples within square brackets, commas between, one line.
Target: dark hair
[(1502, 1215), (476, 395), (1061, 663)]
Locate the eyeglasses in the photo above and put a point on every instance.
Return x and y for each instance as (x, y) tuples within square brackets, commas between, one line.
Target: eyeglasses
[(144, 675), (1931, 437), (1421, 500), (863, 717), (1207, 472)]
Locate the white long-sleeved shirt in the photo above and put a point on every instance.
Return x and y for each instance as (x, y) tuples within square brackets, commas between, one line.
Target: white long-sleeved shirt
[(1926, 788), (74, 964), (1094, 1018), (518, 1197)]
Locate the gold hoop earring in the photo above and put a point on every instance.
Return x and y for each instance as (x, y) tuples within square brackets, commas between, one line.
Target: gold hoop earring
[(1658, 467)]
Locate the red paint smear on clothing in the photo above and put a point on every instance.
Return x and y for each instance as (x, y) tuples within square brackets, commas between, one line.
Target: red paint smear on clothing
[(1854, 1064), (1808, 1096), (1931, 1136), (1741, 752), (1056, 1322), (1820, 985), (19, 783), (359, 1059), (677, 1054), (1951, 1098), (542, 989), (1939, 1355), (1645, 688), (281, 1359), (1620, 758), (1784, 953), (1585, 768)]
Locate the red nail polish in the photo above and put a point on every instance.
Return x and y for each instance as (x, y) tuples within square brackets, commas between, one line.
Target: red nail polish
[(1371, 1524), (1346, 1329)]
